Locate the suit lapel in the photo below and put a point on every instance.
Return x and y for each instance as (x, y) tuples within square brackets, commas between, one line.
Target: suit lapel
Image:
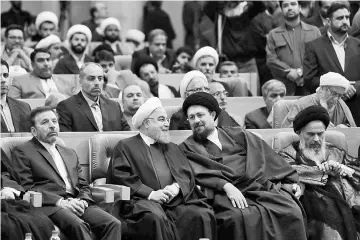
[(287, 38), (68, 164), (84, 106), (351, 47), (38, 83), (15, 114), (332, 53), (104, 113)]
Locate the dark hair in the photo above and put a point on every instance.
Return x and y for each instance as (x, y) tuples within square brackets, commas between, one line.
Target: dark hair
[(336, 6), (3, 62), (186, 50), (104, 55), (281, 2), (304, 3), (227, 63), (101, 47), (38, 111), (155, 33), (36, 51), (13, 27), (92, 11), (156, 4)]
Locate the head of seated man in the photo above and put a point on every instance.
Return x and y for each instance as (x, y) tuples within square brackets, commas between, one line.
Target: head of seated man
[(53, 100), (110, 29), (157, 44), (135, 38), (105, 59), (146, 69), (217, 89), (192, 82), (228, 69), (205, 60), (151, 120), (46, 23), (91, 80), (132, 99), (41, 63), (79, 36), (273, 91), (4, 78), (14, 37), (53, 44), (44, 125), (183, 58)]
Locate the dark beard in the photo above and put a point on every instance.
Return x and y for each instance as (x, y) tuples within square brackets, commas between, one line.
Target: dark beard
[(203, 135), (111, 39), (77, 50)]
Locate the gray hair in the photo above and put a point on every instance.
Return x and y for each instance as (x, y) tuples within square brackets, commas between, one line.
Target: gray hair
[(270, 85), (83, 67)]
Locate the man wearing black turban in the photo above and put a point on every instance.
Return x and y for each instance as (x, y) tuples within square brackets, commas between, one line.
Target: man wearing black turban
[(330, 177), (255, 191)]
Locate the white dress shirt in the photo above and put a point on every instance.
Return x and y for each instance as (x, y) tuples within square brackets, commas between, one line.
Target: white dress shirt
[(6, 114), (214, 137), (96, 111), (49, 86), (339, 49), (79, 62)]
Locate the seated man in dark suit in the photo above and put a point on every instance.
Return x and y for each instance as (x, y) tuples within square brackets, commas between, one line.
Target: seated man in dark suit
[(272, 91), (54, 171), (89, 111), (17, 216), (14, 113), (163, 56)]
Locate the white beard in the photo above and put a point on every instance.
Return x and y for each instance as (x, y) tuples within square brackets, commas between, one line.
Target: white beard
[(316, 155)]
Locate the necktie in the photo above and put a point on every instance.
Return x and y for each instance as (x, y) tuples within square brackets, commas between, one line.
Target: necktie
[(97, 116)]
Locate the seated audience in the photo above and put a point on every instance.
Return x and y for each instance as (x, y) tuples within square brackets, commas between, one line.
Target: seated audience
[(132, 99), (183, 57), (18, 217), (101, 47), (46, 24), (162, 186), (255, 191), (272, 91), (217, 90), (110, 30), (229, 71), (79, 37), (98, 12), (53, 44), (195, 81), (42, 166), (146, 69), (330, 178), (163, 56), (14, 51), (53, 100), (106, 60), (136, 39), (89, 110), (14, 113), (40, 83), (328, 95)]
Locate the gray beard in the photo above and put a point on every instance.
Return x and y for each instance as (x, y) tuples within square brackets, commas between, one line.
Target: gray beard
[(318, 156), (160, 136)]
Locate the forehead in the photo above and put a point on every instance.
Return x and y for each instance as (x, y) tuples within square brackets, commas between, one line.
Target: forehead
[(159, 39), (197, 82), (276, 88), (47, 25), (112, 27), (45, 115), (4, 69), (184, 54), (105, 62), (341, 12), (314, 127), (42, 55), (15, 32), (147, 68), (215, 86), (55, 45), (206, 59), (326, 3), (93, 70), (159, 112), (132, 89), (79, 35), (287, 2), (228, 68), (197, 109)]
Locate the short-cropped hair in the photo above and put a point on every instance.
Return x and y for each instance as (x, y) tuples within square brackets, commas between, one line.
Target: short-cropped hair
[(104, 55), (38, 111), (227, 63), (84, 66), (36, 51), (155, 33), (13, 27), (336, 6), (269, 85)]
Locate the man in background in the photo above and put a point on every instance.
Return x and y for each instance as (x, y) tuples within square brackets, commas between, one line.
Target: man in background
[(98, 12), (15, 15), (132, 99)]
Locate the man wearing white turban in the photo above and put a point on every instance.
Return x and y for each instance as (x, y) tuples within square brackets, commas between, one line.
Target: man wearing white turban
[(192, 82), (163, 191), (46, 23), (328, 95), (205, 60), (79, 37), (136, 38), (110, 30)]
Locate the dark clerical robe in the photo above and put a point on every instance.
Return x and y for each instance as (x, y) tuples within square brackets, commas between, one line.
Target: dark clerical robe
[(17, 216), (145, 169), (332, 203), (260, 174)]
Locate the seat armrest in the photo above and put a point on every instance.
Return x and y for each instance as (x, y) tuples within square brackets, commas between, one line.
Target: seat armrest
[(102, 194), (121, 192), (34, 198)]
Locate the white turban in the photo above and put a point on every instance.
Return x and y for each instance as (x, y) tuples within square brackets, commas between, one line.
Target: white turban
[(145, 110), (79, 28), (135, 35), (188, 77), (335, 80), (107, 22), (46, 16), (206, 51), (48, 41)]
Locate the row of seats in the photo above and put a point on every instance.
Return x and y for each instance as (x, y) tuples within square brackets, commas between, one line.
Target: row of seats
[(94, 149)]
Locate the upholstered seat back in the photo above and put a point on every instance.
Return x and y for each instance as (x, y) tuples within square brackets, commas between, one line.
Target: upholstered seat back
[(284, 139), (281, 109)]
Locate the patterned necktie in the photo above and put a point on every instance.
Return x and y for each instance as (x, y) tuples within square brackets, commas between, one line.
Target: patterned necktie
[(98, 116)]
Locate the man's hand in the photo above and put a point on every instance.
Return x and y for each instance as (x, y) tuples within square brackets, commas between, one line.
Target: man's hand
[(161, 196), (7, 194), (292, 74), (18, 52), (297, 190), (74, 205), (174, 189), (236, 197), (337, 168), (350, 92), (299, 82)]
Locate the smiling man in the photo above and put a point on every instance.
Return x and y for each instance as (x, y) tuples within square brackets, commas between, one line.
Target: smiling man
[(89, 110)]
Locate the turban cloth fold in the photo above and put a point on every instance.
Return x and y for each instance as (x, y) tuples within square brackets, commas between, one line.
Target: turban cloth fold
[(309, 114), (145, 110), (202, 99)]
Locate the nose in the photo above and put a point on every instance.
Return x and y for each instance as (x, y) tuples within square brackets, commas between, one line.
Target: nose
[(316, 138), (196, 119)]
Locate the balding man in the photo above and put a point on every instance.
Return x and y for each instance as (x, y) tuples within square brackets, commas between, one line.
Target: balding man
[(165, 203), (89, 111), (328, 176), (328, 95), (272, 91)]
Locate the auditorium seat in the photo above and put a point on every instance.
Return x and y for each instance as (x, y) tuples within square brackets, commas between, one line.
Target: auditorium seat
[(280, 110)]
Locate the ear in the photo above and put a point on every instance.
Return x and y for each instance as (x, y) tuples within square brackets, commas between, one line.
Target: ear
[(213, 114), (33, 131), (146, 123), (328, 20)]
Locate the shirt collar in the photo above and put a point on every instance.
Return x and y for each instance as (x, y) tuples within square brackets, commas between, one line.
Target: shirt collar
[(82, 59), (333, 40), (213, 136), (49, 147), (3, 101), (89, 101), (148, 140)]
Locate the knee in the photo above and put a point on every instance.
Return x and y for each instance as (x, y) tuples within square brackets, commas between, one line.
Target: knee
[(155, 217)]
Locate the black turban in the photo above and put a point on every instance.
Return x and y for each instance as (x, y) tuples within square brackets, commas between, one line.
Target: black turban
[(141, 60), (309, 114), (202, 99)]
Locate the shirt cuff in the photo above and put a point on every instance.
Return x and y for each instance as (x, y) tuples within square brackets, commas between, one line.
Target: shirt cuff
[(16, 192), (149, 197), (58, 203)]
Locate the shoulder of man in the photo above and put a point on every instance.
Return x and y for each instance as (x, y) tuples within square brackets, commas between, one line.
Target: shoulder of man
[(20, 103)]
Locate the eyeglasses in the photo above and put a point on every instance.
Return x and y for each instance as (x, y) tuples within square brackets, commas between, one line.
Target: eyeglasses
[(335, 94), (218, 93), (195, 90), (16, 38), (5, 75)]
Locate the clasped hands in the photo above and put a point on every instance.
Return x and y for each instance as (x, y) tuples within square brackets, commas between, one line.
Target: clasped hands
[(75, 205), (294, 77), (165, 195), (6, 193), (333, 168)]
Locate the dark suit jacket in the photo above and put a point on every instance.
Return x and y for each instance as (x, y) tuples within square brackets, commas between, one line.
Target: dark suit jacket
[(315, 21), (67, 65), (75, 115), (257, 119), (167, 63), (20, 112), (8, 176), (37, 171)]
